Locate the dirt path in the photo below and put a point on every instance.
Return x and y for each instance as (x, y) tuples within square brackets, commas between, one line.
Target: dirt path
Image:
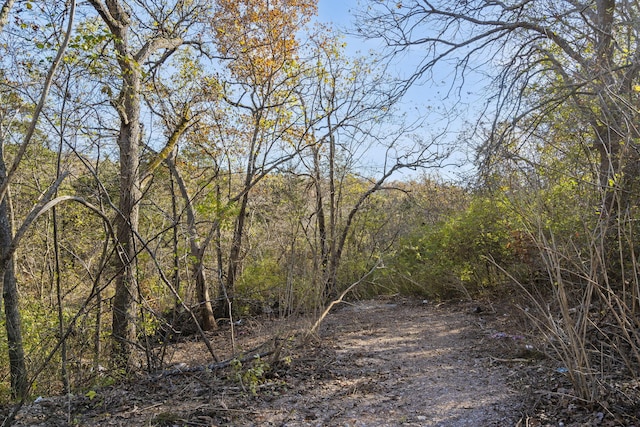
[(373, 364), (391, 364)]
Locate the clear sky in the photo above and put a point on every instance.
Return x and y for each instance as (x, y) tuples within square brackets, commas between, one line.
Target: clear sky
[(340, 14), (336, 11)]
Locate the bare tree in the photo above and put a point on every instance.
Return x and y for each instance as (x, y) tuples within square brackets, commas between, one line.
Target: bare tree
[(545, 56), (263, 75), (353, 104)]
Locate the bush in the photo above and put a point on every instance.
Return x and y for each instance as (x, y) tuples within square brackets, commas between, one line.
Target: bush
[(459, 256)]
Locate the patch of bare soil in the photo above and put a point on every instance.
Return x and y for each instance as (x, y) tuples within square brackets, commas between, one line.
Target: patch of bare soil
[(373, 363), (399, 364)]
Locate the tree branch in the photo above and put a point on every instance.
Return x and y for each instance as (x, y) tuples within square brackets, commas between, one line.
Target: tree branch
[(4, 13), (43, 97), (156, 44), (316, 325)]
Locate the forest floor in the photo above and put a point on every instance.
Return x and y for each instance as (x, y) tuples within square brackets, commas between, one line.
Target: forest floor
[(373, 363)]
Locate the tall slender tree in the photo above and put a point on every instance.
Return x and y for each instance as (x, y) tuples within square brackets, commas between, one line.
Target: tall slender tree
[(144, 35), (353, 104)]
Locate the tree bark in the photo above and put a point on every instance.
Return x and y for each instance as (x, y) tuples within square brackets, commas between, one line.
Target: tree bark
[(235, 257), (17, 366), (126, 286), (235, 253), (124, 328), (196, 250), (4, 12), (321, 220), (128, 107), (207, 318)]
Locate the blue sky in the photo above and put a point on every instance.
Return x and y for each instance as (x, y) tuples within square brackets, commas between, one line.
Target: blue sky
[(426, 98), (340, 14), (427, 92), (336, 11)]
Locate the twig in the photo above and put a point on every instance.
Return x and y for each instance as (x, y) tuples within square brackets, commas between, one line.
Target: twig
[(240, 411), (316, 325), (146, 408), (555, 393)]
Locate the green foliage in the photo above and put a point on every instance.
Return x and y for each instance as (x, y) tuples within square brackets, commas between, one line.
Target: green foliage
[(40, 333), (459, 256), (252, 377), (259, 285)]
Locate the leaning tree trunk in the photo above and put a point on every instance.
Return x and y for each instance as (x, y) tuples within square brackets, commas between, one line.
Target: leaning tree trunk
[(207, 318), (196, 252)]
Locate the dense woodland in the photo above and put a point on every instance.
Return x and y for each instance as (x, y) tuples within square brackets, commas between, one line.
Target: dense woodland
[(168, 166)]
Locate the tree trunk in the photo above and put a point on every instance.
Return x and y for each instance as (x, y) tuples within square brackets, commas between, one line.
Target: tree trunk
[(126, 288), (127, 104), (326, 237), (13, 324), (234, 260), (331, 287), (235, 254), (117, 17), (196, 251), (207, 319), (17, 367), (126, 285)]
